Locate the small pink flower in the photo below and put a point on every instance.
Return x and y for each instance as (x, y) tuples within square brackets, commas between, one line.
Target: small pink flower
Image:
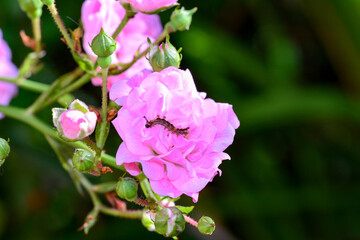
[(7, 69), (75, 123), (175, 162), (149, 6), (107, 14)]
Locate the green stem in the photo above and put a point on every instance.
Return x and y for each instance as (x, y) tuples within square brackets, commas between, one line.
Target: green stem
[(190, 221), (111, 161), (76, 85), (102, 137), (63, 80), (27, 84), (37, 34), (104, 187), (124, 21), (131, 214), (89, 188), (60, 24), (55, 145), (80, 178), (145, 186)]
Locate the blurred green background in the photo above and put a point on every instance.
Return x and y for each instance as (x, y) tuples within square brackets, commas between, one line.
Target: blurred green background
[(290, 68)]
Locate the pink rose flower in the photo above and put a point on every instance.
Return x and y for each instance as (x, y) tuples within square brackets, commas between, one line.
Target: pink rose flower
[(107, 14), (175, 133), (150, 5), (7, 69), (74, 124)]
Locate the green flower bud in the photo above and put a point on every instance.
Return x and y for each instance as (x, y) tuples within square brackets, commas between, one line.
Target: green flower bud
[(33, 8), (169, 222), (180, 19), (83, 160), (4, 150), (165, 56), (206, 225), (48, 2), (103, 45), (127, 188)]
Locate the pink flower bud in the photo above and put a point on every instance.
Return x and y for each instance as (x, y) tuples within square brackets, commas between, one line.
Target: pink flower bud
[(75, 125)]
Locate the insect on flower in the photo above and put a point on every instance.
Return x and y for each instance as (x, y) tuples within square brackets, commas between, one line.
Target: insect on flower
[(167, 125)]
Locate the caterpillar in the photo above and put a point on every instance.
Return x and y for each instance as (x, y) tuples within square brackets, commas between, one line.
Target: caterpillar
[(167, 125)]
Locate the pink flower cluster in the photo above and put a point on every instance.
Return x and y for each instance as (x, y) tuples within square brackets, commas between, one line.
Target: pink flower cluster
[(107, 14), (7, 69), (175, 133), (148, 6)]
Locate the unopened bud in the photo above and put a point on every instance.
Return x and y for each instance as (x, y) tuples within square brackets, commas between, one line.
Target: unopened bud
[(75, 123), (127, 188), (103, 46), (165, 56), (83, 160), (33, 8), (4, 150), (169, 222), (180, 19), (206, 225)]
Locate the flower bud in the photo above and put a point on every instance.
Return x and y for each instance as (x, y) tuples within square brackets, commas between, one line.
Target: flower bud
[(180, 19), (206, 225), (4, 150), (48, 2), (103, 45), (127, 188), (75, 123), (83, 160), (33, 8), (165, 56), (169, 222)]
